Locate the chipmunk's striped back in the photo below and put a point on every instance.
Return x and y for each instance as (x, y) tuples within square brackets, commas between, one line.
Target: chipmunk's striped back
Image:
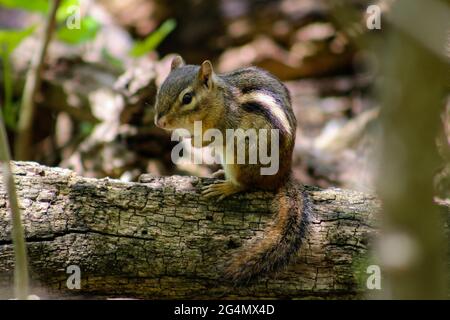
[(262, 93)]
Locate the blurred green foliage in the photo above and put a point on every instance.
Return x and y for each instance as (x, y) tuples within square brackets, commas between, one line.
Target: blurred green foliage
[(9, 40), (34, 5), (84, 32), (152, 41), (64, 10), (87, 31), (72, 28)]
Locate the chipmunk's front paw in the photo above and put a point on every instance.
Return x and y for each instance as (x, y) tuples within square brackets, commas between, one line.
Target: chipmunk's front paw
[(221, 190), (219, 174)]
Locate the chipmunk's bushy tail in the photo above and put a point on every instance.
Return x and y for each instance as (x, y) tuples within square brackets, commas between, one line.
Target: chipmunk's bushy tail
[(281, 240)]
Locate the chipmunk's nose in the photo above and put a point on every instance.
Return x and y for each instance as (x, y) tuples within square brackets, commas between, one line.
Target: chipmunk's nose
[(160, 121)]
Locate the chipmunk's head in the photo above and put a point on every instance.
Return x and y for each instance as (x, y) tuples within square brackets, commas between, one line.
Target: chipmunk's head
[(187, 95)]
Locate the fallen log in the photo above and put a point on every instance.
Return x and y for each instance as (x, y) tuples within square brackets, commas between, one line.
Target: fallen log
[(161, 239)]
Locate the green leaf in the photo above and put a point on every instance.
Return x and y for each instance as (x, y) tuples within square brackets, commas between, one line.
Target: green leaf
[(42, 6), (66, 9), (29, 5), (87, 31), (10, 39), (153, 40)]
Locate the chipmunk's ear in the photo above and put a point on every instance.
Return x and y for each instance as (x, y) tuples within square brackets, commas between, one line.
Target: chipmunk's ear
[(177, 62), (206, 74)]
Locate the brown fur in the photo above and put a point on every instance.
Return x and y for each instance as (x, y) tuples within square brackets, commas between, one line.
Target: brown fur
[(281, 240), (249, 98)]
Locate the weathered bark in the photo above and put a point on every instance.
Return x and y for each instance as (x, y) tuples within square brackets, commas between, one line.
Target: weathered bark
[(161, 239)]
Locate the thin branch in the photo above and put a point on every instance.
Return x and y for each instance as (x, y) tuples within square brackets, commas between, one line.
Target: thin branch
[(7, 82), (32, 84), (20, 253)]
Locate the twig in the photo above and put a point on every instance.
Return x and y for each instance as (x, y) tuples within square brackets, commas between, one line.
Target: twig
[(21, 263), (32, 84), (7, 83)]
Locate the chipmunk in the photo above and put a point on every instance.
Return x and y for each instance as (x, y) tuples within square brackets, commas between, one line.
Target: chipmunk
[(248, 98)]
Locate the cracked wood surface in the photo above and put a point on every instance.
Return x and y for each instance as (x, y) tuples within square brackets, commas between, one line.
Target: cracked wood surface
[(161, 239)]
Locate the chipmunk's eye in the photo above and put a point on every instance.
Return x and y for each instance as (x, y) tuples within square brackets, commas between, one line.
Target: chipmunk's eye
[(187, 98)]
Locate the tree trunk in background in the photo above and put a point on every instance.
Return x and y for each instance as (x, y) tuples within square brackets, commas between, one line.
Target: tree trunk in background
[(413, 249)]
